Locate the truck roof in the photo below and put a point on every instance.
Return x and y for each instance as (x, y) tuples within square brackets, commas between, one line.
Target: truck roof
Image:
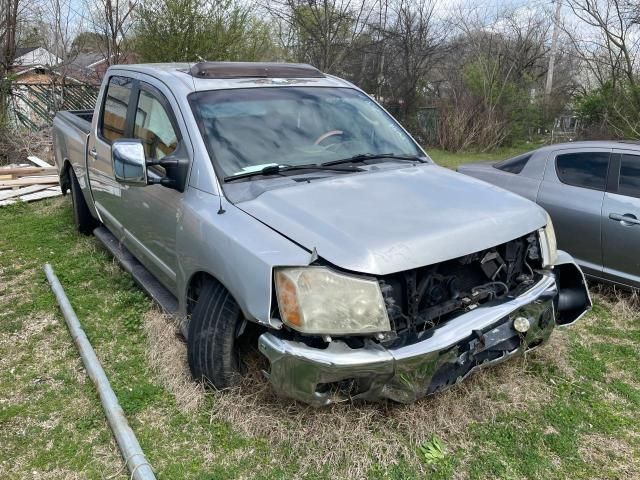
[(192, 77)]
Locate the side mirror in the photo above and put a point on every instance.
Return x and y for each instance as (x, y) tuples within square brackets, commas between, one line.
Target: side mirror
[(130, 165), (129, 162)]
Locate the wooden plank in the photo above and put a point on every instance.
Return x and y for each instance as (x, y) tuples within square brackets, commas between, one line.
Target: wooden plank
[(16, 192), (48, 193), (22, 191), (22, 171), (19, 182), (38, 161)]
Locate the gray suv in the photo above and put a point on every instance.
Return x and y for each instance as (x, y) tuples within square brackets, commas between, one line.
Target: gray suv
[(275, 206)]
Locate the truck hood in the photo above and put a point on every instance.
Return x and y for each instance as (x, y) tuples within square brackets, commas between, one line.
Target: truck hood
[(380, 222)]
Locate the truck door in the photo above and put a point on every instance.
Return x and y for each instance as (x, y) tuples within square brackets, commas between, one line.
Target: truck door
[(621, 219), (572, 192), (110, 125), (152, 212)]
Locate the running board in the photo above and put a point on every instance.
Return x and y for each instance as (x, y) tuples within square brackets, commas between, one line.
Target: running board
[(143, 277)]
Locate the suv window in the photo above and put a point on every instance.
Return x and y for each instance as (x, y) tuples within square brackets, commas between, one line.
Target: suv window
[(114, 113), (153, 126), (584, 169), (515, 164), (629, 183)]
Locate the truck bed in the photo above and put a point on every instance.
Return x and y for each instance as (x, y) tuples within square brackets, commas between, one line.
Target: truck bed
[(71, 130), (81, 119)]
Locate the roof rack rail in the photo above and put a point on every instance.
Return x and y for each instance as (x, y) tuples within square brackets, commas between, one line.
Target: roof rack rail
[(253, 70)]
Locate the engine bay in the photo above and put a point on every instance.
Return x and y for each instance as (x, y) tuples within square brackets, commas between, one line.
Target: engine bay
[(423, 298)]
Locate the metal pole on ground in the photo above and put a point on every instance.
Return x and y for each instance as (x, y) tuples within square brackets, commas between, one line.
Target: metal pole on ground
[(129, 447)]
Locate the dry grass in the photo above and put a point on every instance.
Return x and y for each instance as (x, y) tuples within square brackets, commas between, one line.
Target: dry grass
[(624, 315), (14, 291), (357, 435), (167, 356), (352, 436), (624, 305), (612, 452)]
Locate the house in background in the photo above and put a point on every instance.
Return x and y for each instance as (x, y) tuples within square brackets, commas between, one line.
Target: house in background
[(36, 66), (90, 67), (32, 56), (33, 65), (43, 83), (40, 82)]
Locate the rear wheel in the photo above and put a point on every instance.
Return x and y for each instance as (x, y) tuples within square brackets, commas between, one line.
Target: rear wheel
[(84, 221), (213, 330)]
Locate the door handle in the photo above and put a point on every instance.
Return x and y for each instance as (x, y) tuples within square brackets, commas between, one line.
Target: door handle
[(627, 219), (93, 152)]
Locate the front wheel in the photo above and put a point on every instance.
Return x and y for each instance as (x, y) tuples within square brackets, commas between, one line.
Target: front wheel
[(211, 343)]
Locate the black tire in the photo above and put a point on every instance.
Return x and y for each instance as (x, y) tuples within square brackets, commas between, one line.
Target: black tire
[(211, 343), (84, 221)]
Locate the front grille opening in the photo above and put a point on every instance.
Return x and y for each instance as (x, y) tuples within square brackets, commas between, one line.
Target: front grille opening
[(421, 299)]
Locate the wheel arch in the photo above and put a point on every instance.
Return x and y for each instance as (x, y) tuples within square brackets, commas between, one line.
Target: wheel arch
[(193, 286), (192, 293)]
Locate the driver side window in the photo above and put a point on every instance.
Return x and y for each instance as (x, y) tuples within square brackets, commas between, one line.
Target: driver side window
[(154, 127)]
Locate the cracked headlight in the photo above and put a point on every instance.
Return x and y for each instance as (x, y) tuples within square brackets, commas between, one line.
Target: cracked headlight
[(548, 245), (321, 301)]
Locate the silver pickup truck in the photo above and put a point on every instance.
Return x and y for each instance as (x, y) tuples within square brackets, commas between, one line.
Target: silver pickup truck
[(272, 205)]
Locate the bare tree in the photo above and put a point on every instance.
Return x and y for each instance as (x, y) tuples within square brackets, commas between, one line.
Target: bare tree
[(8, 27), (11, 13), (493, 77), (415, 43), (112, 20), (320, 32), (60, 23), (614, 41), (607, 42)]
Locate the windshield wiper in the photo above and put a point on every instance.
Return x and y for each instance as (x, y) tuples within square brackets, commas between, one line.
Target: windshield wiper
[(281, 169), (363, 157)]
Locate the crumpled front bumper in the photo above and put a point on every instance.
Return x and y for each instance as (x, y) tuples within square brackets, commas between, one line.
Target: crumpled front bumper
[(441, 357)]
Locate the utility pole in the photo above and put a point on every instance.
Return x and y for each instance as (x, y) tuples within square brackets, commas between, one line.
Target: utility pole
[(554, 49)]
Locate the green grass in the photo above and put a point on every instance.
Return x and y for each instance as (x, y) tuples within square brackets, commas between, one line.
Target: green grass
[(453, 160), (569, 410)]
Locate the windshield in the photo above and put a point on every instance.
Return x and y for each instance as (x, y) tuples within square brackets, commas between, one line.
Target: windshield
[(248, 129)]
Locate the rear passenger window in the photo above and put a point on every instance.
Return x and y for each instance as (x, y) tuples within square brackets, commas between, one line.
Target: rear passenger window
[(114, 113), (585, 169), (515, 164), (629, 183)]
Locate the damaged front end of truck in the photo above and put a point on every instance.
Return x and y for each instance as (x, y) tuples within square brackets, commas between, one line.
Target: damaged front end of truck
[(420, 331)]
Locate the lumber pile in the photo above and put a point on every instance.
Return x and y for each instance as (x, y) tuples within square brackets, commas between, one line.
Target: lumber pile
[(28, 182)]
